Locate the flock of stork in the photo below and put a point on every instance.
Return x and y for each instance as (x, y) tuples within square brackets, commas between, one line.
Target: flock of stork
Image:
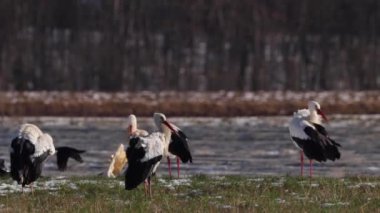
[(31, 147)]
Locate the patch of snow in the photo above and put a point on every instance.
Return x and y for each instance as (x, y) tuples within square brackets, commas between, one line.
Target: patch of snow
[(179, 182), (314, 185), (256, 179), (87, 182), (280, 183), (50, 185), (218, 177), (368, 184), (226, 206), (176, 182), (343, 203), (327, 205), (280, 201)]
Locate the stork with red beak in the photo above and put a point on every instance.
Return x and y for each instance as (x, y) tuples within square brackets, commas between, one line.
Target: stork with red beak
[(176, 145), (144, 154), (310, 137)]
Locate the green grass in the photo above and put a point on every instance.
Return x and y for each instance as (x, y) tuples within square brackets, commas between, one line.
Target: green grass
[(200, 194)]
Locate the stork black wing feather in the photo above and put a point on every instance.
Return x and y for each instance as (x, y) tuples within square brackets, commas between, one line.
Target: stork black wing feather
[(323, 131), (138, 171), (179, 146), (322, 144)]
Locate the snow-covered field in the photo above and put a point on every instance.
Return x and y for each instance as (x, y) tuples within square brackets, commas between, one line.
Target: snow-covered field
[(237, 145)]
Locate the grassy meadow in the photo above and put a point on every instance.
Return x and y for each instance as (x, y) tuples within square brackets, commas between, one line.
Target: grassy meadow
[(196, 194)]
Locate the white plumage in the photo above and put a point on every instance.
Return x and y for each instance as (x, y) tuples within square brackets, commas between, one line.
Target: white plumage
[(298, 123), (30, 132), (42, 142), (163, 127), (152, 145)]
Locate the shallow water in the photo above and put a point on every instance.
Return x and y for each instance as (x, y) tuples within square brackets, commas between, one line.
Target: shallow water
[(244, 145)]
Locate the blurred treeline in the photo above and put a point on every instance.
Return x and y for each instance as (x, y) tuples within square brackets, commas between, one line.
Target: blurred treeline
[(189, 45)]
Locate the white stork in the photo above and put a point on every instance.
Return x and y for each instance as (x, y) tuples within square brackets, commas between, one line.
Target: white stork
[(310, 137), (119, 159), (28, 151), (177, 146), (144, 154)]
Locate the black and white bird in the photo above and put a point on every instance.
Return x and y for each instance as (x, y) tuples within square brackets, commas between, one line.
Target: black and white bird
[(28, 152), (177, 147), (63, 155), (310, 137), (144, 154), (118, 160)]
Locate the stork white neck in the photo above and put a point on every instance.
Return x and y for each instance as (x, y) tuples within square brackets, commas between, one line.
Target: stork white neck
[(159, 120), (314, 116), (132, 126), (167, 133)]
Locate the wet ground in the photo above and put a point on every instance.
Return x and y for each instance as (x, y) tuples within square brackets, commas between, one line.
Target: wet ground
[(245, 145)]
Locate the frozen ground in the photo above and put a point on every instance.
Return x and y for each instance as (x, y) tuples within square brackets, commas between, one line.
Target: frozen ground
[(244, 145)]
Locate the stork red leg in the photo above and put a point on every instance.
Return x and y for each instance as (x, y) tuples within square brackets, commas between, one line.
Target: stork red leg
[(301, 158), (145, 187), (170, 169), (178, 166), (150, 188)]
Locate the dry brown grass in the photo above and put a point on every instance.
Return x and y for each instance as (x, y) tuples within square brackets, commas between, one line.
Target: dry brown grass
[(183, 103)]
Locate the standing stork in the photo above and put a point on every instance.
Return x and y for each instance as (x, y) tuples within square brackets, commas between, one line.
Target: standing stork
[(177, 146), (310, 137), (144, 154), (119, 158), (28, 152)]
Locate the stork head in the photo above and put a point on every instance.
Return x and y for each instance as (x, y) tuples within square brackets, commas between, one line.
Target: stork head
[(160, 119), (132, 123), (314, 106)]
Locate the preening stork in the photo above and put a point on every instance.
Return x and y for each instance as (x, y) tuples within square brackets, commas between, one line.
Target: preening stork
[(28, 152), (310, 137), (177, 146), (119, 158), (144, 154)]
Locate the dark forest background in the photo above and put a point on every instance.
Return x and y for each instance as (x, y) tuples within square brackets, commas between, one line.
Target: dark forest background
[(202, 45)]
